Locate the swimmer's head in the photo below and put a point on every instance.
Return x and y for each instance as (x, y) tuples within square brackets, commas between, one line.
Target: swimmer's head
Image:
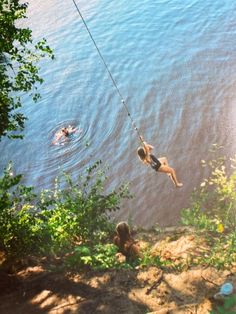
[(65, 131)]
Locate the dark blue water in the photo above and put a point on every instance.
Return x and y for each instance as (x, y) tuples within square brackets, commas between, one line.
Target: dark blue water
[(174, 62)]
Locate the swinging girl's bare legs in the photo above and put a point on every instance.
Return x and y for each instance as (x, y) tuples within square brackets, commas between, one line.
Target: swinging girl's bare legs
[(163, 161), (169, 171)]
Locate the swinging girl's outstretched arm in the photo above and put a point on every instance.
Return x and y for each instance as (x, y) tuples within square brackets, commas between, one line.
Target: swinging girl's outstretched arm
[(146, 146)]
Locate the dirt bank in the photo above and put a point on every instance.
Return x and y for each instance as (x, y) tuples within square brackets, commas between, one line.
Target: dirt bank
[(43, 289)]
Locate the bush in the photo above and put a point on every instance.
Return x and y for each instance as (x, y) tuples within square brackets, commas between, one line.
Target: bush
[(56, 220), (80, 211), (17, 232), (214, 202), (227, 308), (213, 210), (99, 257)]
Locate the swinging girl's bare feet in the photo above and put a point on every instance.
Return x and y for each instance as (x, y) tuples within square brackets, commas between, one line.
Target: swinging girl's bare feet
[(179, 185)]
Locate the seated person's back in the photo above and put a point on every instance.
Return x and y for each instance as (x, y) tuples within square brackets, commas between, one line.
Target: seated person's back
[(125, 242)]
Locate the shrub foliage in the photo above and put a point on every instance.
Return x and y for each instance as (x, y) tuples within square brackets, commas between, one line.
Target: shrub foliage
[(73, 215), (213, 211), (18, 65)]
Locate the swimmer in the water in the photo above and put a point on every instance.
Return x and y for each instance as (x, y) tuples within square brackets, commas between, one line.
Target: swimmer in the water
[(64, 133)]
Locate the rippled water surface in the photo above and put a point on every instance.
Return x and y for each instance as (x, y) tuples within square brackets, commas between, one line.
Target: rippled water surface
[(175, 64)]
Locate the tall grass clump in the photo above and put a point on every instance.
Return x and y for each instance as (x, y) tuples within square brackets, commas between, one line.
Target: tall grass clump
[(213, 211)]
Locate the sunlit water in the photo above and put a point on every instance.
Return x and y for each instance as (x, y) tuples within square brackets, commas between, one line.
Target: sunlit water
[(175, 64)]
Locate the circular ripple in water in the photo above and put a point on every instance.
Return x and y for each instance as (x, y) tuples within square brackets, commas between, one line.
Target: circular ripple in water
[(55, 158)]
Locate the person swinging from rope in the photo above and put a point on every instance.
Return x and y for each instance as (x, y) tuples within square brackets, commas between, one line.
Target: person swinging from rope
[(158, 164)]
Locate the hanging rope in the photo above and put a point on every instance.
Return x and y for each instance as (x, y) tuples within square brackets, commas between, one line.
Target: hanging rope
[(109, 72)]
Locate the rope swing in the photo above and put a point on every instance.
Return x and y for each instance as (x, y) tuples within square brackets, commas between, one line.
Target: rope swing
[(109, 72), (144, 153)]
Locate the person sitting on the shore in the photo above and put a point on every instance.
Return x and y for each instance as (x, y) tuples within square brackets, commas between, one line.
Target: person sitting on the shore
[(64, 133), (125, 243)]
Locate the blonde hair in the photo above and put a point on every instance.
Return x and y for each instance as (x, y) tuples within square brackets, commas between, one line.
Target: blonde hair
[(123, 231), (125, 242)]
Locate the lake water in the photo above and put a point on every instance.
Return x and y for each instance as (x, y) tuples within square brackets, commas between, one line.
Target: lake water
[(175, 64)]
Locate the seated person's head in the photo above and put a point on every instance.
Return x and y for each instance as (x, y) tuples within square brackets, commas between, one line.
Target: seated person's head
[(123, 230)]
